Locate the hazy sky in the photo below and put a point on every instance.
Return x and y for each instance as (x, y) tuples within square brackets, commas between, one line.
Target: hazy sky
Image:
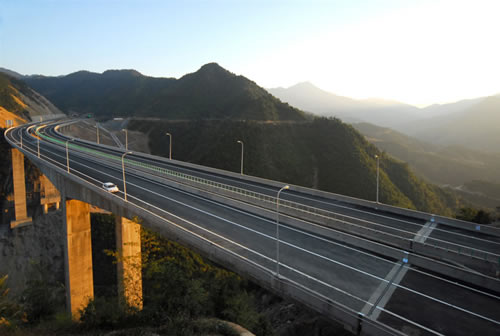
[(418, 52)]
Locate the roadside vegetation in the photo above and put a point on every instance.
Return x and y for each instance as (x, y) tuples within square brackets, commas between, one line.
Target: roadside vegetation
[(479, 216)]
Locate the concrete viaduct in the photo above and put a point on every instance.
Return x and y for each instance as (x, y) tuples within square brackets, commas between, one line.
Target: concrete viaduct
[(367, 265)]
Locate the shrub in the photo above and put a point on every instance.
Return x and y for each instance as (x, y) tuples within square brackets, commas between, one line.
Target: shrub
[(105, 313), (11, 314), (41, 298)]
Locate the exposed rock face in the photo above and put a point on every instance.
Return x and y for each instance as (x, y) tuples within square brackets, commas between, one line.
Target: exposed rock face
[(38, 105), (19, 103), (39, 243)]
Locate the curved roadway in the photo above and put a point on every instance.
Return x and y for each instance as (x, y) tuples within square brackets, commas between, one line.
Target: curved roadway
[(418, 302)]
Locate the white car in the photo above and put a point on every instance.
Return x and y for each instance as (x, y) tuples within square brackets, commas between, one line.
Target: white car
[(111, 187)]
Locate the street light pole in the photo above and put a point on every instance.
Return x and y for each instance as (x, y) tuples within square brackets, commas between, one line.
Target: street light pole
[(97, 126), (126, 138), (378, 172), (278, 229), (21, 139), (242, 150), (123, 169), (170, 147), (67, 154), (38, 146)]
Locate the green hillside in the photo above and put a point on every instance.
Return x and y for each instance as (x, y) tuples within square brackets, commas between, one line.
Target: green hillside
[(210, 93), (324, 153)]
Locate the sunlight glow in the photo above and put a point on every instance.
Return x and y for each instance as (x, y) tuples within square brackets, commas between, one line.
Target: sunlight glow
[(442, 52)]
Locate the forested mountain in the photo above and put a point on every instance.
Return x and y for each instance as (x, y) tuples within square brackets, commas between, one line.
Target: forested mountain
[(210, 93), (324, 153), (18, 102)]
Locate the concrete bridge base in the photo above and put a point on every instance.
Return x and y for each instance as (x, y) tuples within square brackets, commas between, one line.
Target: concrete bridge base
[(129, 267), (78, 256)]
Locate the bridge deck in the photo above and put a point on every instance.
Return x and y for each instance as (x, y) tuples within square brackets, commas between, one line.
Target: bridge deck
[(384, 288)]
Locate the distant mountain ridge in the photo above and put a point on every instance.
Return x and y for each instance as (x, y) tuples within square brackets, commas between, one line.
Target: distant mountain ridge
[(477, 126), (454, 166), (209, 93), (474, 123), (308, 97), (381, 112)]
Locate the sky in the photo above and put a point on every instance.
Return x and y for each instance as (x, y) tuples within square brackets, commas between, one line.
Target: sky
[(414, 51)]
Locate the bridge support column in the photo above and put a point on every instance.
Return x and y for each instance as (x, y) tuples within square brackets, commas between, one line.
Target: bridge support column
[(78, 256), (129, 268), (50, 194), (18, 178)]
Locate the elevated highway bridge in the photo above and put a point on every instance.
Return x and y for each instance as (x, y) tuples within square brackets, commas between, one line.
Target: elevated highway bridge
[(375, 268)]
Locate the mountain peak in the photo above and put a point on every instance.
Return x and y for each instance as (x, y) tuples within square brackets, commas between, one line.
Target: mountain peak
[(212, 66), (122, 72), (305, 85), (213, 69)]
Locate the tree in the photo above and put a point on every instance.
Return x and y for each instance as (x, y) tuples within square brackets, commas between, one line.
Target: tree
[(474, 215)]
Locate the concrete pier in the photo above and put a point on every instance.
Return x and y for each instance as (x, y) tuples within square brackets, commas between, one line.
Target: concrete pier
[(78, 256), (49, 194), (129, 268), (18, 178)]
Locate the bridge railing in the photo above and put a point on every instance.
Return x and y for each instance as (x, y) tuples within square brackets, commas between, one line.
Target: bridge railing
[(327, 304)]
